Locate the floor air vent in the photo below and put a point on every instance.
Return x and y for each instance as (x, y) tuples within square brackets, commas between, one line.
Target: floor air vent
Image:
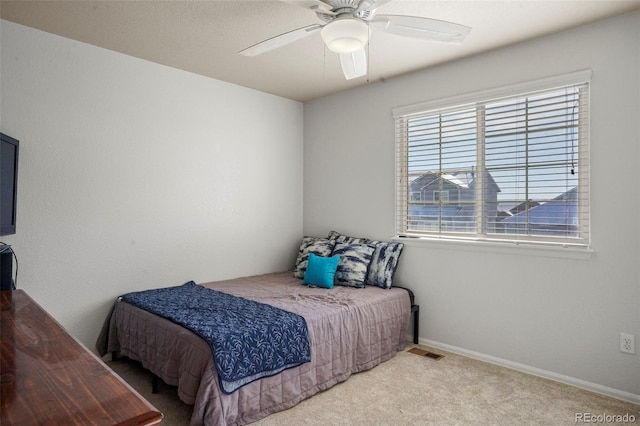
[(428, 354)]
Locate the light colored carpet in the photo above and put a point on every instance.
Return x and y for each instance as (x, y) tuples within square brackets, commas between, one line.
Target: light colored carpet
[(415, 390)]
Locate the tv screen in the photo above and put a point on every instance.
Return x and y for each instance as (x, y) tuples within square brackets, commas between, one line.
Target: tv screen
[(8, 183)]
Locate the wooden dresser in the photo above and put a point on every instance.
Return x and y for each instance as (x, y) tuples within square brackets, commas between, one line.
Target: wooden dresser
[(49, 378)]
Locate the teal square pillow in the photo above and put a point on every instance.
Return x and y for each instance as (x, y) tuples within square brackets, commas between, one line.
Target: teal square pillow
[(321, 271)]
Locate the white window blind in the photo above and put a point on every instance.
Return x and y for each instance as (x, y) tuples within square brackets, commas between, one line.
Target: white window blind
[(513, 167)]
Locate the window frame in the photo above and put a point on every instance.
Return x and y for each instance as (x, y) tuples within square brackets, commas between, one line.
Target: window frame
[(472, 100)]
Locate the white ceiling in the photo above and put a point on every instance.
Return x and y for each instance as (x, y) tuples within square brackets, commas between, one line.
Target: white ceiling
[(204, 36)]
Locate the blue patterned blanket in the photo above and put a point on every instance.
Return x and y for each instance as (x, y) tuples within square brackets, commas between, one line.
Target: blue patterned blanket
[(249, 340)]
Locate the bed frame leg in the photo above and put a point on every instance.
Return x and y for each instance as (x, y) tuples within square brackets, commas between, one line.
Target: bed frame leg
[(155, 384), (114, 356), (416, 321)]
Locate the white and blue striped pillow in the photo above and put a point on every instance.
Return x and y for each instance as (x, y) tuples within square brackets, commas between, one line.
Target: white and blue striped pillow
[(354, 263), (384, 263), (318, 246), (339, 238)]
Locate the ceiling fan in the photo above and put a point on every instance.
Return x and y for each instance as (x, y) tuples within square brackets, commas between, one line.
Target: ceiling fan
[(346, 30)]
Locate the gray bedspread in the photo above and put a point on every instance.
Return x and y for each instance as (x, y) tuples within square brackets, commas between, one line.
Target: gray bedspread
[(350, 330)]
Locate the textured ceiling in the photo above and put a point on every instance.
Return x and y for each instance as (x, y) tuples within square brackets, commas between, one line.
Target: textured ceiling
[(204, 37)]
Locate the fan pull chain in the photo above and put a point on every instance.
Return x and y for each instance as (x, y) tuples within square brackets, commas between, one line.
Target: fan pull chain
[(324, 62), (368, 57)]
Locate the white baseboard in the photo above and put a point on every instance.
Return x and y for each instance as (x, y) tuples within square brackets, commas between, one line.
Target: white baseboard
[(582, 384)]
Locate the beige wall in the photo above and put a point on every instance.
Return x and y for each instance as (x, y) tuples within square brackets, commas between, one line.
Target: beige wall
[(134, 175), (544, 313)]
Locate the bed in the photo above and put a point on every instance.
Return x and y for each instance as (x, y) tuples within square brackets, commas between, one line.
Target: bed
[(350, 329)]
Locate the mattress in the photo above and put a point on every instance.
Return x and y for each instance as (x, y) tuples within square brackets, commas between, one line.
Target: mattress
[(350, 330)]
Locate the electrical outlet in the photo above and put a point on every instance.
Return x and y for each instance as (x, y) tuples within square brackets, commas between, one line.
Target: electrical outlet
[(627, 343)]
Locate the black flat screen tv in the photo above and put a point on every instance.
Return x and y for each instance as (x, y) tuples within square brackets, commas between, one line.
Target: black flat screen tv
[(8, 183)]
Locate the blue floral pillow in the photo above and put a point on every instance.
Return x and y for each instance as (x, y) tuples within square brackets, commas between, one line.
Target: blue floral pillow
[(321, 271), (354, 263), (384, 263), (318, 246)]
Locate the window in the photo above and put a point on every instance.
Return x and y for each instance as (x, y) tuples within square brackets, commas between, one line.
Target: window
[(440, 195), (516, 158)]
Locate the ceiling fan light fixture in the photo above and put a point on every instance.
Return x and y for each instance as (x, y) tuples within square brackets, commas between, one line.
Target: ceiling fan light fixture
[(345, 35)]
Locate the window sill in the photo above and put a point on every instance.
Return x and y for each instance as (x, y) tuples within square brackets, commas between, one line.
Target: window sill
[(506, 247)]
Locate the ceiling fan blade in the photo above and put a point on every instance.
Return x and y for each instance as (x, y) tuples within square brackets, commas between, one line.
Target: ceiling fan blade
[(421, 28), (315, 5), (280, 40), (354, 64), (367, 8)]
